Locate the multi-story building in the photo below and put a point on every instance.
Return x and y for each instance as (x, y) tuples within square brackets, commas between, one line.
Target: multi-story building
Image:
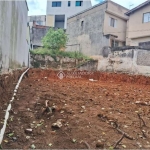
[(59, 11), (138, 26), (103, 25)]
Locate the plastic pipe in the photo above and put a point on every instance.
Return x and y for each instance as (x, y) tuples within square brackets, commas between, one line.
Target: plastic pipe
[(2, 132)]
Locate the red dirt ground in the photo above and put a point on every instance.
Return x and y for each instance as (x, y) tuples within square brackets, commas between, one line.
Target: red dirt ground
[(88, 111)]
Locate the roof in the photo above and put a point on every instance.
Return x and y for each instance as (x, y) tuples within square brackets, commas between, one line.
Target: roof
[(87, 9), (94, 7), (138, 7)]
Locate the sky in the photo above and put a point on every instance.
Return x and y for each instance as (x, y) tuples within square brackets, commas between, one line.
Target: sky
[(38, 7)]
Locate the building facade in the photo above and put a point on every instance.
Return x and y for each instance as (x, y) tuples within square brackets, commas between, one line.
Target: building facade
[(14, 48), (138, 26), (38, 20), (59, 11), (103, 25)]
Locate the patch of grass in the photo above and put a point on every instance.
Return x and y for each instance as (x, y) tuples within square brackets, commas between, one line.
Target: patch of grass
[(58, 53)]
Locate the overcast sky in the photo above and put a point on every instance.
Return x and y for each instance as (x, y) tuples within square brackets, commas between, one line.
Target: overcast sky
[(38, 7)]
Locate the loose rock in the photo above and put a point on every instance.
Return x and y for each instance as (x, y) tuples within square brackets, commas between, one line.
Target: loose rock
[(99, 144), (28, 131), (57, 125)]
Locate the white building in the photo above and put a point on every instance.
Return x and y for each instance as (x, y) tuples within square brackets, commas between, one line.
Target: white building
[(59, 11)]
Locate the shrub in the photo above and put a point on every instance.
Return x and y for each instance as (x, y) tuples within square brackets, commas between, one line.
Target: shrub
[(55, 39)]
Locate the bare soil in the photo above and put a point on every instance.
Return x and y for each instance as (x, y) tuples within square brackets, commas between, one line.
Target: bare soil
[(93, 114), (7, 85)]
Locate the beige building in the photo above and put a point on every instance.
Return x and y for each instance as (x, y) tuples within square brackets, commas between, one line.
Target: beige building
[(103, 25), (115, 24), (138, 25)]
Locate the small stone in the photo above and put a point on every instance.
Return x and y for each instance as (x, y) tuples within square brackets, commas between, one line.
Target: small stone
[(125, 126), (54, 108), (27, 131), (62, 112), (74, 140), (5, 141), (33, 146), (83, 107), (124, 146), (14, 138), (58, 124), (82, 111), (27, 137), (99, 144), (50, 144)]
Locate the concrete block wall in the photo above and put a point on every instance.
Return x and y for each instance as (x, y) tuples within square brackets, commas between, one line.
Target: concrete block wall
[(132, 61), (14, 49)]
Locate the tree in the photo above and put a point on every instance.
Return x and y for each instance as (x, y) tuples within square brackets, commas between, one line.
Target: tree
[(55, 39)]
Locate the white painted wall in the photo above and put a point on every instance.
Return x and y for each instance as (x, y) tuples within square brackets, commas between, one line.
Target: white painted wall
[(65, 10), (14, 49)]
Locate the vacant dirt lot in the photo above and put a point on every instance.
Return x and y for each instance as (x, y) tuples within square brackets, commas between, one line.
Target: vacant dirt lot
[(90, 114)]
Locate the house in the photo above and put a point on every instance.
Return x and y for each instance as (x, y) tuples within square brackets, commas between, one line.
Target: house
[(38, 20), (59, 11), (37, 33), (103, 25), (138, 25), (14, 48)]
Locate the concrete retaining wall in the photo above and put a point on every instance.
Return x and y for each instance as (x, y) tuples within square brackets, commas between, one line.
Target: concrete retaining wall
[(45, 61), (14, 49), (133, 61)]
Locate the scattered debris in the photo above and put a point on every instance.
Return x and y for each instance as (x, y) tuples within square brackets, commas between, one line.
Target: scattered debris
[(58, 124), (141, 126), (74, 140), (86, 144), (117, 143), (83, 107), (6, 141), (100, 144), (10, 134), (115, 125), (92, 80), (50, 144), (14, 138), (28, 131), (27, 137), (141, 120), (142, 103), (33, 146)]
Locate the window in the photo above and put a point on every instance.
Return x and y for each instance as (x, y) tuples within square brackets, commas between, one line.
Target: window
[(113, 22), (56, 4), (82, 24), (79, 3), (69, 3), (145, 44), (146, 17), (114, 43)]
